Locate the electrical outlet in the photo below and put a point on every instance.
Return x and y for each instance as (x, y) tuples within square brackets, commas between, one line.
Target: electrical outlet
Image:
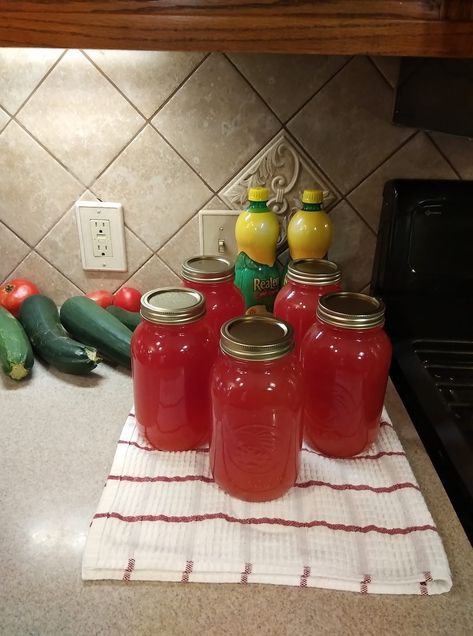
[(217, 232), (101, 235)]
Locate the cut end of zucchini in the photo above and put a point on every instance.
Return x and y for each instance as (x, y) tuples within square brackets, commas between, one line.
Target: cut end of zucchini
[(18, 372), (93, 355)]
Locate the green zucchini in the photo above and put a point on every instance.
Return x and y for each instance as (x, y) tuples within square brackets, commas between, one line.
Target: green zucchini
[(130, 319), (90, 323), (40, 319), (16, 354)]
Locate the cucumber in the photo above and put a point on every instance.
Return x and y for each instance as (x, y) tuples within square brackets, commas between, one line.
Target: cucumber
[(90, 323), (40, 319), (130, 319), (16, 354)]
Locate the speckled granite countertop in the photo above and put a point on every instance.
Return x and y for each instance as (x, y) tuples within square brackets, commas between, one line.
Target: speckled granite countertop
[(58, 436)]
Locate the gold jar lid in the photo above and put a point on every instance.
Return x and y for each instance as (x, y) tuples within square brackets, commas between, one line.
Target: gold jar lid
[(172, 305), (351, 310), (314, 271), (207, 269), (256, 338)]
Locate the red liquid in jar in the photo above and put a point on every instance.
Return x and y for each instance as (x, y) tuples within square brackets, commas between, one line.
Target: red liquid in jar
[(345, 373), (223, 301), (257, 427), (297, 303), (171, 373)]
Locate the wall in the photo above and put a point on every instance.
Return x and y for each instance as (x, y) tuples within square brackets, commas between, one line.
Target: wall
[(167, 134)]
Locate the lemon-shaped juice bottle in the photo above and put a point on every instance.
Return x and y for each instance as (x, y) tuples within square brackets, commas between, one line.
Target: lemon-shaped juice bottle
[(256, 270), (309, 233)]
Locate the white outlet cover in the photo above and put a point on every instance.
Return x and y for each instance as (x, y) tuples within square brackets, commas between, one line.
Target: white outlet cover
[(215, 225), (87, 211)]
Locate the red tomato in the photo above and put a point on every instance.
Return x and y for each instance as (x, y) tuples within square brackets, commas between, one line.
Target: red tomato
[(102, 297), (128, 298), (14, 292)]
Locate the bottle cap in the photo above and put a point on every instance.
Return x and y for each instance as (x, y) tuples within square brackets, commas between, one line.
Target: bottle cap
[(207, 269), (257, 338), (312, 196), (351, 310), (314, 271), (172, 305), (258, 194)]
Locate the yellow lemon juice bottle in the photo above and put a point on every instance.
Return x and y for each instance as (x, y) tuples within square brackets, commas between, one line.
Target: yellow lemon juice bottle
[(256, 270), (309, 233)]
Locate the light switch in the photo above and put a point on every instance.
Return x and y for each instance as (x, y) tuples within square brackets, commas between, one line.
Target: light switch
[(217, 232)]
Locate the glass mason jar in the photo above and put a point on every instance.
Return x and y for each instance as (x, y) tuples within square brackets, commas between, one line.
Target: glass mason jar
[(307, 280), (213, 276), (345, 364), (172, 352), (256, 409)]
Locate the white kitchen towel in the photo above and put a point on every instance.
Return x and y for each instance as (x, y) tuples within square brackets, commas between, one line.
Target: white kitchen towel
[(359, 524)]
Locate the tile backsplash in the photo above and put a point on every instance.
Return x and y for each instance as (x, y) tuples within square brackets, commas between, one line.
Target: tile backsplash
[(167, 134)]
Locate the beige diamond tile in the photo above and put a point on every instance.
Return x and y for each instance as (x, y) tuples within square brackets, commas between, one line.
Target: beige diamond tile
[(418, 159), (158, 190), (353, 247), (458, 150), (346, 126), (61, 248), (12, 251), (35, 190), (389, 67), (216, 121), (215, 204), (285, 82), (21, 70), (49, 281), (80, 117), (4, 119), (183, 244), (147, 78), (153, 274)]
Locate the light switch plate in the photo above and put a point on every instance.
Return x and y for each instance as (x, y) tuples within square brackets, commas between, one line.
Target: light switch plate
[(217, 232), (102, 236)]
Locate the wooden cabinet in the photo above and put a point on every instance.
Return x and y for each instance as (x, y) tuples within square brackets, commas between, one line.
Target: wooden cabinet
[(377, 27)]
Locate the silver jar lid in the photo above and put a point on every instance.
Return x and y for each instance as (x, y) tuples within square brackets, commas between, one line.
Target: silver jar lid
[(256, 338), (207, 269), (172, 305), (314, 271), (351, 310)]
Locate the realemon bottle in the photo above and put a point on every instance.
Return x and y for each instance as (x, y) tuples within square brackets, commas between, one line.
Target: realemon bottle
[(309, 233), (256, 271)]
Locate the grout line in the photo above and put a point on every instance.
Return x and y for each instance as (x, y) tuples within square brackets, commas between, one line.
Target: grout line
[(58, 270), (253, 88), (137, 270), (115, 157), (437, 147), (344, 65), (10, 273), (41, 82), (46, 149), (380, 73), (178, 88), (16, 234), (358, 214)]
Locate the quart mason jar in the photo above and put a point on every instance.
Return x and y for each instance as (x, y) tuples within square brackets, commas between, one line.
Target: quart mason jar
[(345, 364), (307, 280), (213, 276), (172, 352), (256, 409)]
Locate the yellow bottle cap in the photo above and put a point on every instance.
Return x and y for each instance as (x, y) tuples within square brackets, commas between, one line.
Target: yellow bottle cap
[(312, 196), (258, 194)]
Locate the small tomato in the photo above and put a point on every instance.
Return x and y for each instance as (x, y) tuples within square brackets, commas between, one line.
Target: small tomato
[(128, 298), (14, 292), (102, 297)]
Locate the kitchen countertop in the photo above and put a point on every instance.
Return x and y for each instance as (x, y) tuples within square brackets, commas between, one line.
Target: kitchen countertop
[(58, 437)]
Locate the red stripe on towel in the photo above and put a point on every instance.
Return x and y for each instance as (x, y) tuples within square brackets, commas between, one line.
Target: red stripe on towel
[(364, 584), (304, 576), (264, 520), (156, 450), (128, 570), (187, 571), (376, 456), (246, 573)]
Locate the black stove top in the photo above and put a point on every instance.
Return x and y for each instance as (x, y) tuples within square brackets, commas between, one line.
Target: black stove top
[(423, 271)]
